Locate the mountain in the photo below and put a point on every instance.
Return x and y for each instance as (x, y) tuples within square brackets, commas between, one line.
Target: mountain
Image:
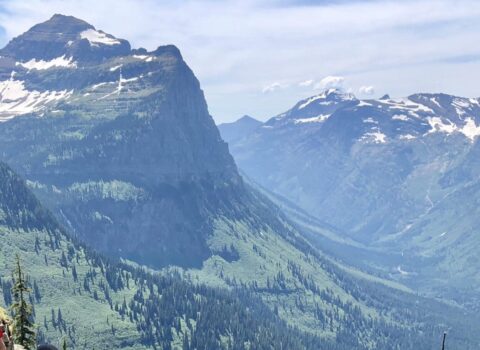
[(120, 146), (90, 300), (121, 135), (61, 42), (242, 127), (387, 173)]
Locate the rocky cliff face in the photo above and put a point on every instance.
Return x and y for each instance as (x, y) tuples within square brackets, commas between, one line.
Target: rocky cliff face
[(112, 137)]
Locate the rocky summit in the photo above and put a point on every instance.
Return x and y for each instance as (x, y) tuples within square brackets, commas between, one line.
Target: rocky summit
[(62, 40)]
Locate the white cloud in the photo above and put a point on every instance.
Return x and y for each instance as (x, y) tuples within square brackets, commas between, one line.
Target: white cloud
[(330, 82), (306, 83), (274, 87), (366, 90)]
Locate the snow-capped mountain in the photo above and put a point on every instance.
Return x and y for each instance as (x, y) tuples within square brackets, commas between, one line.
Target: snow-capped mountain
[(315, 109), (60, 42), (401, 174), (107, 134), (67, 61), (403, 118)]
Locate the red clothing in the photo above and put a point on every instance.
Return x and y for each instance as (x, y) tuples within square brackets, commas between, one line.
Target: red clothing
[(1, 333)]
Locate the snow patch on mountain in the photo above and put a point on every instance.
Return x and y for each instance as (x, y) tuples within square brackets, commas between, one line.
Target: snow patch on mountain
[(439, 125), (402, 272), (364, 104), (59, 62), (370, 120), (374, 137), (474, 101), (113, 69), (435, 101), (469, 129), (318, 119), (461, 103), (326, 95), (406, 103), (96, 86), (16, 100), (310, 100), (407, 137), (146, 58), (96, 37), (401, 117), (121, 84)]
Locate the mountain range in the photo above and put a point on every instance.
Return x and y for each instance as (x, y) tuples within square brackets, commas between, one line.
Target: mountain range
[(397, 176), (119, 147)]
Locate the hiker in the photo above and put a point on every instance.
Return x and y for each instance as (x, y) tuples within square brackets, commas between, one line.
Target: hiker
[(7, 336), (3, 335)]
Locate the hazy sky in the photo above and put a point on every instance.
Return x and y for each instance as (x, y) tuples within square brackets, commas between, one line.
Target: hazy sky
[(260, 57)]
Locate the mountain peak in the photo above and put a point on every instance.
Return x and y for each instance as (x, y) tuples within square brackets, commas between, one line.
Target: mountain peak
[(247, 118), (239, 128), (327, 96), (335, 93), (63, 24), (385, 97), (67, 36)]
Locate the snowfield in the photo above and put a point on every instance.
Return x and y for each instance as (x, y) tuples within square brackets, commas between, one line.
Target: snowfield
[(59, 62), (96, 37), (16, 100)]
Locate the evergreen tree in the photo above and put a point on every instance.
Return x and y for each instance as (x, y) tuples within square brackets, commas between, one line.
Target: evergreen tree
[(24, 333)]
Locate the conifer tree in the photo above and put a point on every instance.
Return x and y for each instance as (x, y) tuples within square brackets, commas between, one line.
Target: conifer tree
[(22, 311)]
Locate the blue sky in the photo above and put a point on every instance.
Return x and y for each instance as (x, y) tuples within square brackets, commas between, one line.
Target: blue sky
[(260, 57)]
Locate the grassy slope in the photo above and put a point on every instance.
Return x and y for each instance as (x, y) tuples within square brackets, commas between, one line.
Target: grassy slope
[(59, 290)]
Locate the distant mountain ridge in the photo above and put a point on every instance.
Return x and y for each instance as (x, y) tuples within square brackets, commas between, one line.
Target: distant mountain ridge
[(238, 129), (390, 173)]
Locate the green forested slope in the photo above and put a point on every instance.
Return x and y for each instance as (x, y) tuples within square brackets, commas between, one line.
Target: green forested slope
[(95, 303)]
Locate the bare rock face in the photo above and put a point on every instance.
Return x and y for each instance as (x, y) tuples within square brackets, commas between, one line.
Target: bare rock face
[(111, 137)]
